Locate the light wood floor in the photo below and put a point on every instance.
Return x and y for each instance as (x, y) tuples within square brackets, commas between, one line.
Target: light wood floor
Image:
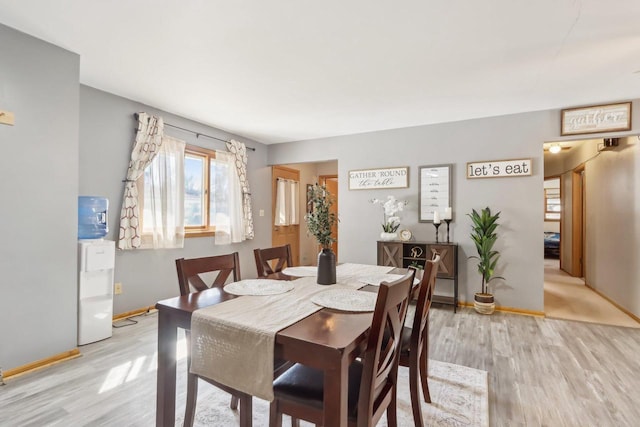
[(567, 297), (541, 372)]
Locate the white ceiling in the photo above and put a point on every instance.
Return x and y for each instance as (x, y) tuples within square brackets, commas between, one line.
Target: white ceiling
[(286, 70)]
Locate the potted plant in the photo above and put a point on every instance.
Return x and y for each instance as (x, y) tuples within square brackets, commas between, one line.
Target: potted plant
[(391, 221), (484, 236), (320, 221)]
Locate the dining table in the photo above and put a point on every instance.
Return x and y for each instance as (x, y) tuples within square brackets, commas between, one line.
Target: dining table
[(327, 339)]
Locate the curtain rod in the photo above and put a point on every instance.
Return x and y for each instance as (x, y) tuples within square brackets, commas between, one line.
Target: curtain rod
[(198, 134)]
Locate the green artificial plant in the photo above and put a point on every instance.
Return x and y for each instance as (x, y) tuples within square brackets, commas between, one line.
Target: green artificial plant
[(320, 220), (484, 236)]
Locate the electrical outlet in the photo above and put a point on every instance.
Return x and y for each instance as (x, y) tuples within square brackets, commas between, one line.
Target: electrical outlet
[(261, 212), (117, 288)]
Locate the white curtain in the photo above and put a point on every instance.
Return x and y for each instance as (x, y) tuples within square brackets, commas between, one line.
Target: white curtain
[(281, 217), (145, 147), (287, 199), (164, 197), (294, 213), (229, 221), (239, 150)]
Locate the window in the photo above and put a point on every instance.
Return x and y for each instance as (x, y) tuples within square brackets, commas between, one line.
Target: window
[(205, 193), (206, 190), (552, 201)]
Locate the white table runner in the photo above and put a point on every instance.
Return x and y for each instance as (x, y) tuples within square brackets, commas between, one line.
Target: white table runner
[(233, 343)]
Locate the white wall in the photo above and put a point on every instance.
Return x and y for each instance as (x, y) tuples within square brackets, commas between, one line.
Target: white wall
[(38, 189)]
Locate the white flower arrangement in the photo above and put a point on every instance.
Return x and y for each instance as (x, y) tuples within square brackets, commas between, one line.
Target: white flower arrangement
[(391, 207)]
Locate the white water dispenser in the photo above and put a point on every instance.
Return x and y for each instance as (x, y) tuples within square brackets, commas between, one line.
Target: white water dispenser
[(96, 259)]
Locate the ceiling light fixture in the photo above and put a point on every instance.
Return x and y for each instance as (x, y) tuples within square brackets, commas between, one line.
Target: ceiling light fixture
[(555, 148)]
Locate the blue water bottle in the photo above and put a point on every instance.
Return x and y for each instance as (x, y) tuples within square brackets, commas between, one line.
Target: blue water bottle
[(92, 217)]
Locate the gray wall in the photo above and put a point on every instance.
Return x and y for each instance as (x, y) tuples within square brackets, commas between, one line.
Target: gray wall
[(612, 222), (107, 131), (519, 199), (38, 188), (45, 165)]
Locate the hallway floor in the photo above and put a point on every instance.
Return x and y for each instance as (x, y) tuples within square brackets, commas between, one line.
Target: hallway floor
[(567, 297)]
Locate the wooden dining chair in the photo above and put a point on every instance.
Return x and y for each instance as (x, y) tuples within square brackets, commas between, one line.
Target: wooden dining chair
[(414, 351), (271, 261), (372, 379), (192, 274)]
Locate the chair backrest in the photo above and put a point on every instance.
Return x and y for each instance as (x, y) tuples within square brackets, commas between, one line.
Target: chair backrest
[(266, 258), (425, 296), (190, 271), (381, 356)]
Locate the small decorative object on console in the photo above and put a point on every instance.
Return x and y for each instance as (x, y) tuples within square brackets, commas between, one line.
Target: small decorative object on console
[(405, 235)]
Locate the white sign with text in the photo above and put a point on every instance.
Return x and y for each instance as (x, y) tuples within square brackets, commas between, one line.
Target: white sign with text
[(369, 179), (599, 118), (499, 168)]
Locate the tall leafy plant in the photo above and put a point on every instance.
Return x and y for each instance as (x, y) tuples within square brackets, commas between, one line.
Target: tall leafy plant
[(484, 236), (320, 220)]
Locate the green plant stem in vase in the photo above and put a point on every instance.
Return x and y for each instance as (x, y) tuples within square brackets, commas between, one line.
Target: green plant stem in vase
[(320, 221)]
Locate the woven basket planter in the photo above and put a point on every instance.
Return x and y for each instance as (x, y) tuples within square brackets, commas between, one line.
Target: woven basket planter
[(484, 303)]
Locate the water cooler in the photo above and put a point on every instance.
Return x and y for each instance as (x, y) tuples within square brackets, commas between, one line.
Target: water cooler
[(96, 260)]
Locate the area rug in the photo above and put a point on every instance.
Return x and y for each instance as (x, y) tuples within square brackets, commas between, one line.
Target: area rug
[(460, 397)]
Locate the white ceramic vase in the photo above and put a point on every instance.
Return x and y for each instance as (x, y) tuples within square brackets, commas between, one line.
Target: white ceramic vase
[(388, 236)]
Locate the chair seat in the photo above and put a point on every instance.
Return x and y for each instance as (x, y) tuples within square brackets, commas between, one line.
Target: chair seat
[(305, 385), (280, 365), (406, 341)]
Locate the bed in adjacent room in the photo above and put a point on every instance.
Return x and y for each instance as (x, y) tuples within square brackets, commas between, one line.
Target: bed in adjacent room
[(551, 244)]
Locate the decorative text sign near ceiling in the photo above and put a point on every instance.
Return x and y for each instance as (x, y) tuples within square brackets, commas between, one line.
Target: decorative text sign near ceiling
[(595, 119), (499, 168), (369, 179)]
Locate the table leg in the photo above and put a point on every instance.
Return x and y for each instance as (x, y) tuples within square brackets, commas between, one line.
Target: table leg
[(166, 374), (336, 383)]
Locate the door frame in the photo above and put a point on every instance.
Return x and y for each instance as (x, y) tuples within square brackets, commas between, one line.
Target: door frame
[(578, 226)]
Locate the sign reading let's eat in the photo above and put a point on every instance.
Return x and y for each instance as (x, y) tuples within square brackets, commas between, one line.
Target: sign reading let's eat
[(499, 168), (369, 179)]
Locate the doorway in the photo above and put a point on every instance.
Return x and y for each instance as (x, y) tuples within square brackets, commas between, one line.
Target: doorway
[(307, 174), (331, 183), (288, 230), (567, 294)]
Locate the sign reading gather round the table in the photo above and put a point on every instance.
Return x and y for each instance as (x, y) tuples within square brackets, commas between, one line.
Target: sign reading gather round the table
[(369, 179)]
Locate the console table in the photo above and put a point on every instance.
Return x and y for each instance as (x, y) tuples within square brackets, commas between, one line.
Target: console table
[(406, 254)]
